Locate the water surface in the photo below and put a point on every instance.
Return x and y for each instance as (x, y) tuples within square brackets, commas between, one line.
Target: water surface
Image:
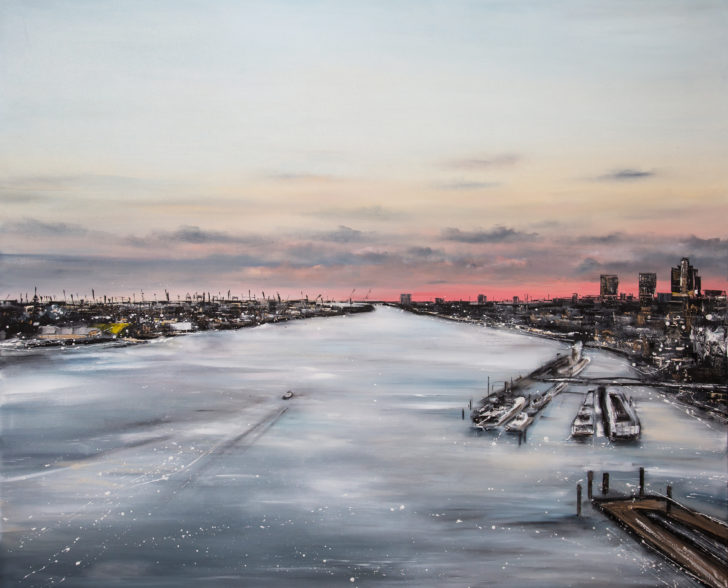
[(178, 464)]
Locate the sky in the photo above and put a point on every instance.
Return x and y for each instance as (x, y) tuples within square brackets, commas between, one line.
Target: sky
[(348, 148)]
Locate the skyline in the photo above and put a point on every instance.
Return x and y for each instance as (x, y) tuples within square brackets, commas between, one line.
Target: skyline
[(446, 149)]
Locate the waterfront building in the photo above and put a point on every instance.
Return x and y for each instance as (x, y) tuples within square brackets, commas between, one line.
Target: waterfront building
[(608, 286), (405, 299), (482, 299)]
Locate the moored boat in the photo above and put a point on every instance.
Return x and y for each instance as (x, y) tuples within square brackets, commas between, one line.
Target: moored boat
[(619, 415), (540, 401), (520, 423), (501, 414), (575, 364), (583, 423), (579, 366)]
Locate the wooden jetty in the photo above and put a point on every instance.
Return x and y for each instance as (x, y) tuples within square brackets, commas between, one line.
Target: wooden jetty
[(695, 542)]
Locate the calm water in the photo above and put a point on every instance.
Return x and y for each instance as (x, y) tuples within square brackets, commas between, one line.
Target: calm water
[(178, 463)]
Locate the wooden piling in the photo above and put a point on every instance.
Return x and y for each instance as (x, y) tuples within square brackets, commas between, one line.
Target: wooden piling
[(668, 502), (578, 500), (463, 414), (605, 482), (589, 482), (520, 438), (524, 434), (642, 482)]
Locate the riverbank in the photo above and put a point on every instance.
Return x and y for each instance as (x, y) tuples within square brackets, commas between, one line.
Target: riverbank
[(143, 327), (711, 404)]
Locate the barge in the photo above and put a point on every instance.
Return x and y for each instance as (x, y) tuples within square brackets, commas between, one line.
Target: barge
[(619, 415)]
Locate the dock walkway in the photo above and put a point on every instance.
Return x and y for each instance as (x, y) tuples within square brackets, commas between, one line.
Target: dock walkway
[(692, 540)]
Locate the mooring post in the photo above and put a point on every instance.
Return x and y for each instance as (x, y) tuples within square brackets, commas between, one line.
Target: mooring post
[(578, 500), (463, 414), (589, 481), (668, 502), (642, 482), (470, 404), (524, 434), (520, 438), (605, 482)]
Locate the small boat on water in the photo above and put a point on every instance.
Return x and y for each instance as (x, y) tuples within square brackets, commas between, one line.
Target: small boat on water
[(537, 403), (288, 395), (575, 364), (573, 369), (541, 400), (520, 423), (619, 415), (579, 366), (499, 414), (583, 424)]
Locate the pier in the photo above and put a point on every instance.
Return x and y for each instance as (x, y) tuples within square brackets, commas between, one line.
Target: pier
[(494, 410), (695, 542)]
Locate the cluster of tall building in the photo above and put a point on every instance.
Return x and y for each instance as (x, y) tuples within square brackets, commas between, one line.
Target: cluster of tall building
[(684, 284)]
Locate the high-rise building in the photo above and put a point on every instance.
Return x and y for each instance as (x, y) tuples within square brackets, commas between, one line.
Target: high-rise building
[(482, 299), (684, 280), (647, 288), (405, 299), (608, 286)]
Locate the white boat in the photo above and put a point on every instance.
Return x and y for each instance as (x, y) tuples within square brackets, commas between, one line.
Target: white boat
[(579, 366), (540, 401), (573, 368), (537, 403), (520, 423), (576, 362), (583, 424), (499, 416)]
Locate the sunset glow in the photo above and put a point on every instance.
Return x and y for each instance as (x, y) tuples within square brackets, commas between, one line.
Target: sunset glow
[(446, 149)]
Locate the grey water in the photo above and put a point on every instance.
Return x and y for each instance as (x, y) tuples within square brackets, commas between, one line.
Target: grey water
[(177, 463)]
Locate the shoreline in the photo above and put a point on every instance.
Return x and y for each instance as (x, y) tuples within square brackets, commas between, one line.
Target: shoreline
[(705, 411), (18, 344)]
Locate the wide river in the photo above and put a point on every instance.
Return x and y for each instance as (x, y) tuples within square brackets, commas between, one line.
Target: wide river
[(178, 463)]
